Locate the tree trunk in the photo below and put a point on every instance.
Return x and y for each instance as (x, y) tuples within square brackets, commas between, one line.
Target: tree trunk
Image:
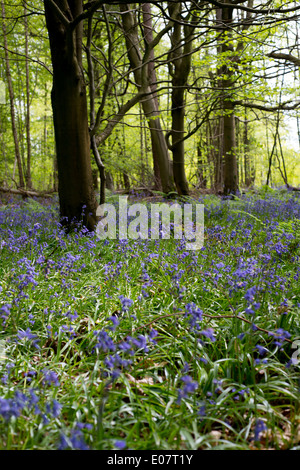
[(126, 181), (230, 162), (69, 103), (246, 156), (179, 69), (28, 137), (109, 181), (149, 103), (226, 85), (12, 102), (92, 93), (148, 38), (202, 180)]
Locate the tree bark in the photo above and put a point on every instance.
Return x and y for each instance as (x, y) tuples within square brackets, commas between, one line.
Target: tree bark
[(148, 38), (69, 103), (181, 49), (12, 101), (229, 139), (248, 180), (28, 136), (149, 103), (92, 93)]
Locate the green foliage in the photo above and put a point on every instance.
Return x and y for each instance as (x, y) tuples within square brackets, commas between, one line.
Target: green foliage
[(67, 289)]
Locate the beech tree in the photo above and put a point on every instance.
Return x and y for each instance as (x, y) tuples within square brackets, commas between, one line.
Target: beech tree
[(140, 65), (70, 115), (180, 58)]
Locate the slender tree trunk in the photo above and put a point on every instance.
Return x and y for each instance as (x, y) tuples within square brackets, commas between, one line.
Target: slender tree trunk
[(142, 146), (109, 181), (95, 174), (200, 164), (230, 162), (179, 69), (148, 37), (69, 103), (92, 93), (12, 101), (28, 136), (126, 181), (149, 103), (246, 156)]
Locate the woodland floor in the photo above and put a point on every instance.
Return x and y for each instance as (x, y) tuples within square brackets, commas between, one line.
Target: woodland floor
[(144, 345)]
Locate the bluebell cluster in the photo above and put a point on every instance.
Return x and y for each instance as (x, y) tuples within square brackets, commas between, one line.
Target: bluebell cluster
[(243, 260)]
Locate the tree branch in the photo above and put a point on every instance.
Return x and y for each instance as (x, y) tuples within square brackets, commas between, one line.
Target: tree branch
[(118, 117), (58, 12), (281, 107), (289, 57)]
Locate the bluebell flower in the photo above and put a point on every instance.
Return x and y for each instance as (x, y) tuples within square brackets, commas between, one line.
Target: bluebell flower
[(260, 361), (54, 408), (280, 336), (4, 312), (75, 441), (249, 296), (140, 342), (292, 362), (29, 375), (28, 335), (241, 336), (114, 321), (262, 351), (104, 341), (203, 359), (208, 333), (125, 303), (259, 428), (152, 334), (189, 387), (50, 377), (194, 315), (202, 410), (120, 444), (249, 311)]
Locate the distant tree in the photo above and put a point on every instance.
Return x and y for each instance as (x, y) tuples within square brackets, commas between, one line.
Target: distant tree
[(144, 75), (12, 100)]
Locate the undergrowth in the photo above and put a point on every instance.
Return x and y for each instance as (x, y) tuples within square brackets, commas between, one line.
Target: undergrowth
[(142, 344)]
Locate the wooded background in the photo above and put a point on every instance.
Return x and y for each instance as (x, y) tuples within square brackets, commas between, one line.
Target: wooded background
[(167, 96)]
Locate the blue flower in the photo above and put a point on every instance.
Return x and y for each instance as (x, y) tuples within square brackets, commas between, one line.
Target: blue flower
[(120, 444), (54, 408), (50, 377), (259, 428), (189, 387), (125, 303), (249, 296), (75, 441), (208, 333), (105, 342), (152, 334), (28, 335), (262, 351), (194, 314), (280, 336), (114, 321)]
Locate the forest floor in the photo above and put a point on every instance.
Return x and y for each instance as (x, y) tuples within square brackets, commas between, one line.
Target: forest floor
[(145, 345)]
